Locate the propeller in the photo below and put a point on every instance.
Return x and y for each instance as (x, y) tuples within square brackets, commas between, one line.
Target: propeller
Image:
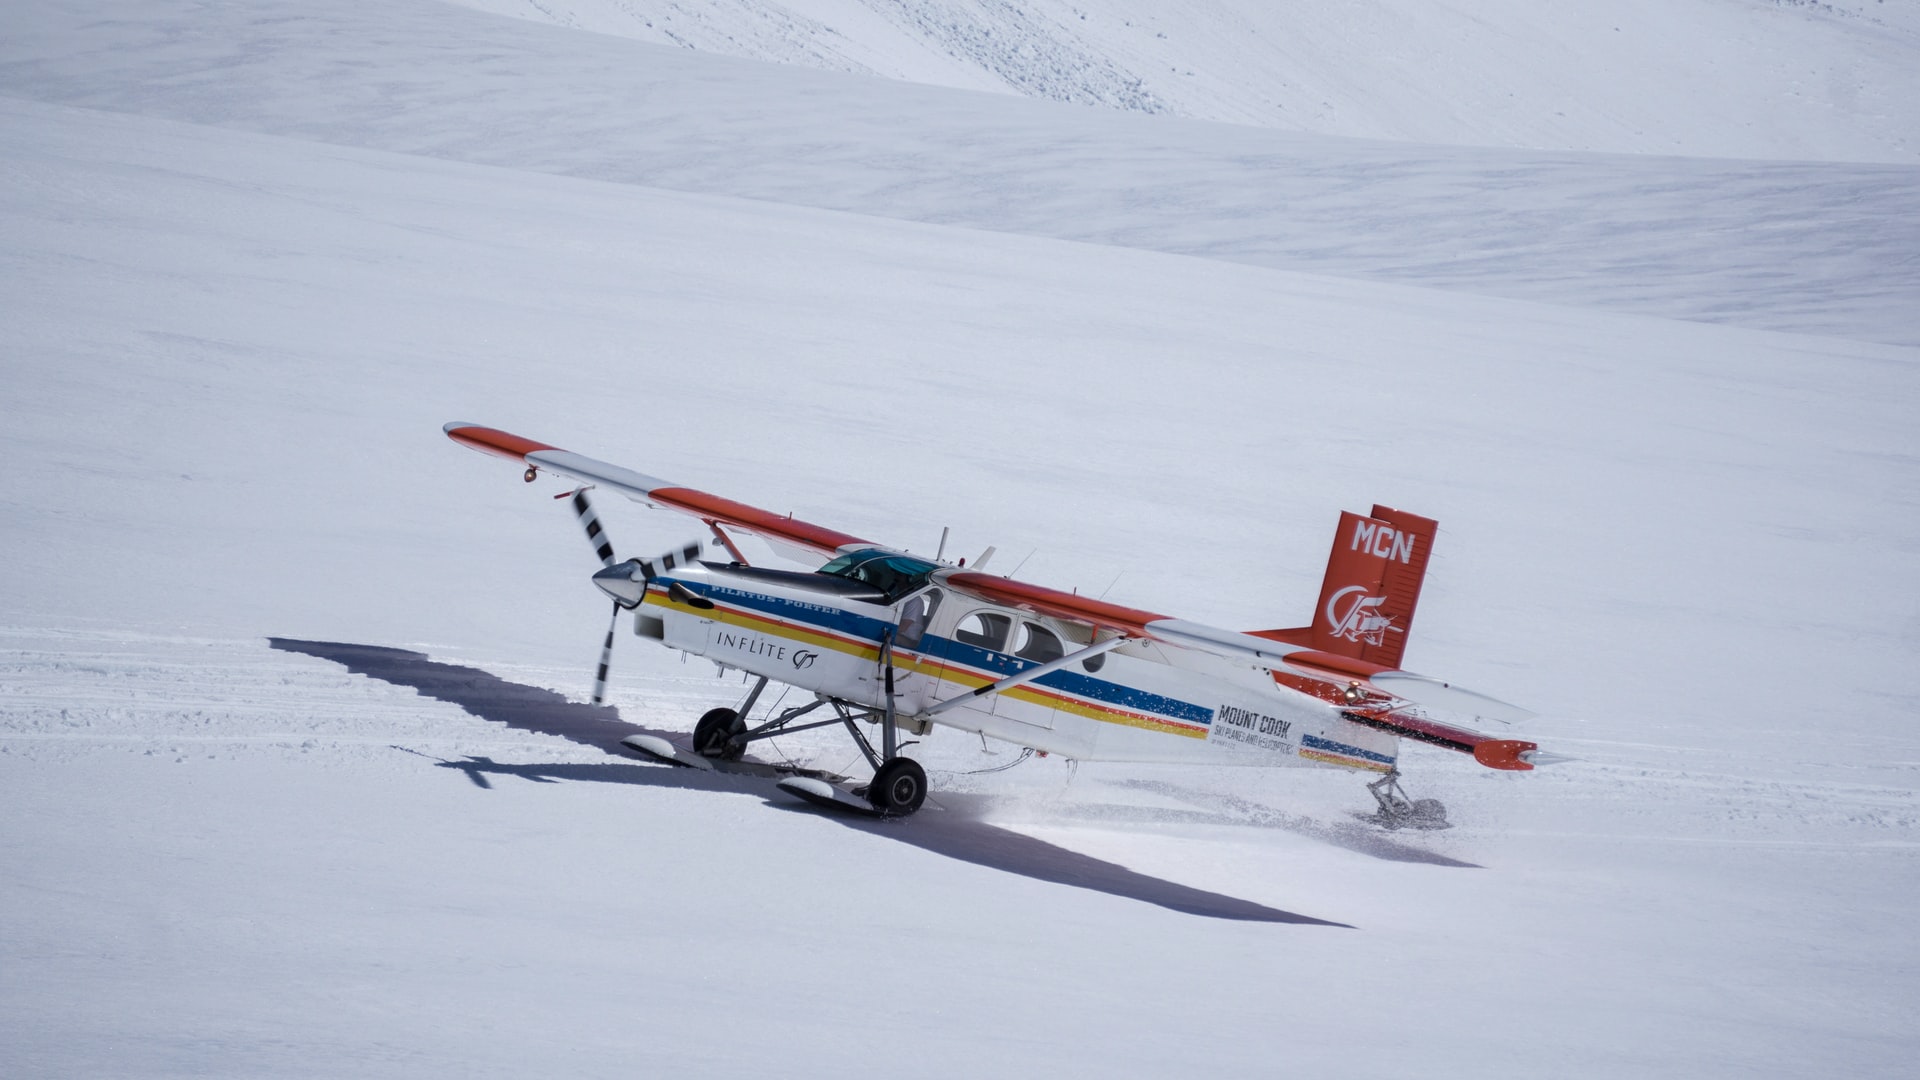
[(602, 547), (625, 582)]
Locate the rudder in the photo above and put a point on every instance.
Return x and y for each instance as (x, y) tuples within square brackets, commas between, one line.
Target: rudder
[(1367, 599)]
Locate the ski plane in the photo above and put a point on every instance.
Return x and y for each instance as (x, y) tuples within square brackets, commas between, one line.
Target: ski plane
[(892, 640)]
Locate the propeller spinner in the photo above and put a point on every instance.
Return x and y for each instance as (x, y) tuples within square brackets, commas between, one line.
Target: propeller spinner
[(625, 582)]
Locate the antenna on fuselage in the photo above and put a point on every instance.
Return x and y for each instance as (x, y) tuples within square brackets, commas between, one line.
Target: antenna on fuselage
[(1023, 562), (938, 555)]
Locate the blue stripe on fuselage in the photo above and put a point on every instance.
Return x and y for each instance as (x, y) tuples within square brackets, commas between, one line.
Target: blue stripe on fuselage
[(824, 616), (1067, 681), (866, 628), (1315, 742)]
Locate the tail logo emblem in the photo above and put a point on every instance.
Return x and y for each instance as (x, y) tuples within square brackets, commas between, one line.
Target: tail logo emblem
[(1355, 616)]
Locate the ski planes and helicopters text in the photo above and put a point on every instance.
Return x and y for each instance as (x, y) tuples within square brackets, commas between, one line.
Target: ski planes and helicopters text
[(889, 639)]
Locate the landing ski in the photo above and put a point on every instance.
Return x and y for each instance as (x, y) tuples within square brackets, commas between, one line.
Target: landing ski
[(830, 796), (822, 789), (661, 750), (658, 749)]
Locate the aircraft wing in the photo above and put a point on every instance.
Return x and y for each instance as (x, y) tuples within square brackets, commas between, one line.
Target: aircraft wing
[(781, 530), (1131, 622), (822, 541)]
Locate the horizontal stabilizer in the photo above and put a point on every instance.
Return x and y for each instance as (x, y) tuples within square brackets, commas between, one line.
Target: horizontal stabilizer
[(1435, 694), (1510, 754)]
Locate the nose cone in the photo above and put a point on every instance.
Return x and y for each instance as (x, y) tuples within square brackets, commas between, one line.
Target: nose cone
[(626, 582)]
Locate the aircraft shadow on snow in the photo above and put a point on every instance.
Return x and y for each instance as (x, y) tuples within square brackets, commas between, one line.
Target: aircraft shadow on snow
[(959, 832)]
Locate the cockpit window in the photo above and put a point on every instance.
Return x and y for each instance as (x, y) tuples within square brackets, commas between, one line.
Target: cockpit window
[(894, 575), (1038, 643), (986, 629)]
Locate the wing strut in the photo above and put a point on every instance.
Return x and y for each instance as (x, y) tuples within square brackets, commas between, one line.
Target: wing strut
[(1098, 648)]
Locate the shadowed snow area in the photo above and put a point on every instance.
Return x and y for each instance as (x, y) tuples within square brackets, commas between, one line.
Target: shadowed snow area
[(955, 834), (296, 778)]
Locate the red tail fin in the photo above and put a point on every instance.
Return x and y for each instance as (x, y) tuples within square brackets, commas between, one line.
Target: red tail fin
[(1371, 588)]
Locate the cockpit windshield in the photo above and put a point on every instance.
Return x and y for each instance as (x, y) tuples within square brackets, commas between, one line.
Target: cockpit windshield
[(894, 575)]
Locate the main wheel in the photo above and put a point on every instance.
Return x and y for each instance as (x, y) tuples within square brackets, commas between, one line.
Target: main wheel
[(710, 735), (898, 788)]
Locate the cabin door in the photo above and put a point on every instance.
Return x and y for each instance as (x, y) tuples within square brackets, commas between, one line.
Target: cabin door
[(916, 682), (989, 644)]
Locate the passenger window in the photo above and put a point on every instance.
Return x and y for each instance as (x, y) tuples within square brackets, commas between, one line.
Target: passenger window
[(1038, 643), (986, 629)]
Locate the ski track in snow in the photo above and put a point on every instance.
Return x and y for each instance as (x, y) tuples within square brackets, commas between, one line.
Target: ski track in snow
[(79, 692), (90, 708)]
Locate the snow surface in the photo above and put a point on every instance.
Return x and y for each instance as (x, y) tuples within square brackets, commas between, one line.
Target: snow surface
[(1807, 247), (1727, 78), (295, 770)]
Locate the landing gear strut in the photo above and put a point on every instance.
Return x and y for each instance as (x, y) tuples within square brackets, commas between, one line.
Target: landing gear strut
[(899, 784), (1399, 812)]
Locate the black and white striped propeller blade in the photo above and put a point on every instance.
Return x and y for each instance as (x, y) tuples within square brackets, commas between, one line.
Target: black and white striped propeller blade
[(602, 547), (590, 521), (606, 660)]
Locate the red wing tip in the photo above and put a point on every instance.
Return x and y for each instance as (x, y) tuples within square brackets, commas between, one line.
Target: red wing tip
[(493, 440)]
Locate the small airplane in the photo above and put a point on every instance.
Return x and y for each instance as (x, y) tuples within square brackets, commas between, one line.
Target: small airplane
[(885, 638)]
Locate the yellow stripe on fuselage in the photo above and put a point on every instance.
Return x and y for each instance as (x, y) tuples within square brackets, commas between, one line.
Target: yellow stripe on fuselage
[(1090, 709), (1351, 763), (915, 662), (750, 620)]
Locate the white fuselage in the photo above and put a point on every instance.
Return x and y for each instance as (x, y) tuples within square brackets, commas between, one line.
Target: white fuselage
[(1141, 702)]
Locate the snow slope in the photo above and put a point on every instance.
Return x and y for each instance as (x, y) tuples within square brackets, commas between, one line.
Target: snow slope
[(1724, 78), (295, 772), (1819, 248)]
